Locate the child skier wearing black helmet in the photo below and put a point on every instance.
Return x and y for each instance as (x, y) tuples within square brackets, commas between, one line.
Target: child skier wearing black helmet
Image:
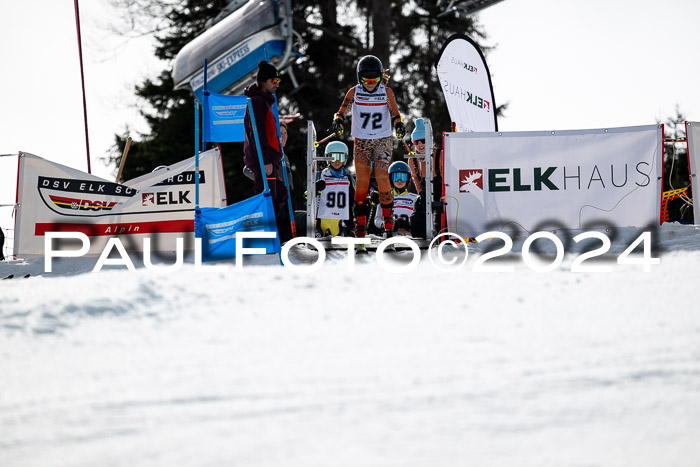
[(404, 200), (374, 112)]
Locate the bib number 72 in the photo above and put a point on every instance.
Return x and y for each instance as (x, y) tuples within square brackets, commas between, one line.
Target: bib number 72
[(376, 120)]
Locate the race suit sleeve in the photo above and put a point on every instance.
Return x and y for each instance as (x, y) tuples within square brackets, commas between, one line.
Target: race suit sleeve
[(391, 101), (347, 102)]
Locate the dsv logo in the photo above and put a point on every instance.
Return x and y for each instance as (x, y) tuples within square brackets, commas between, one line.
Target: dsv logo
[(82, 204)]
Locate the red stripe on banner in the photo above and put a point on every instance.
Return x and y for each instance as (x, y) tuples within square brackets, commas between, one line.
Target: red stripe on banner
[(663, 175), (61, 199), (337, 183), (129, 228), (367, 103), (687, 153), (19, 160), (14, 214)]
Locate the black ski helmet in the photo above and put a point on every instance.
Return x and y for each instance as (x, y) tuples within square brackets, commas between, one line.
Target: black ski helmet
[(369, 66)]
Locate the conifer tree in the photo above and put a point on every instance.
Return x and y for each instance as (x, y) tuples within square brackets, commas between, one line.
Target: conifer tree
[(406, 36)]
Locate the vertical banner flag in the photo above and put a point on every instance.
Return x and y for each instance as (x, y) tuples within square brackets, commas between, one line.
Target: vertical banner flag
[(217, 227), (222, 119), (692, 131), (466, 84)]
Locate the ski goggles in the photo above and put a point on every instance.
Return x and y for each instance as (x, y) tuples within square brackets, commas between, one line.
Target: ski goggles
[(337, 156), (399, 177), (419, 141), (364, 80), (276, 81)]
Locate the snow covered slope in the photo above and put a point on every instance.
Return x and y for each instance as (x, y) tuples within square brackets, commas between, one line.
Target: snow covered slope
[(268, 367)]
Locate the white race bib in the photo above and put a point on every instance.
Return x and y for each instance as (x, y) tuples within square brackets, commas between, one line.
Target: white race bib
[(404, 205), (371, 118), (334, 201)]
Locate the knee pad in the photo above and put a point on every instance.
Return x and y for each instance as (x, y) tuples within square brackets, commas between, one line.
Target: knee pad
[(386, 198), (361, 210)]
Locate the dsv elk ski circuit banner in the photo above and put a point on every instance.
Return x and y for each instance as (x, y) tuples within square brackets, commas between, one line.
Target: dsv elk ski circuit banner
[(159, 205), (530, 181)]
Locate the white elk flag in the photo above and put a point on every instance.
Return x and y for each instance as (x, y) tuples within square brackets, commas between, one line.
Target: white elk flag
[(466, 84)]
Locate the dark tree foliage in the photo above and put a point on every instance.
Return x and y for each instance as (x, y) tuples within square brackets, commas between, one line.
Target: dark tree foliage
[(676, 172), (168, 113), (676, 169), (417, 36), (406, 36)]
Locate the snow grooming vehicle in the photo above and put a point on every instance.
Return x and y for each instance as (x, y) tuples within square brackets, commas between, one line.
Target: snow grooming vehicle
[(243, 34), (312, 171)]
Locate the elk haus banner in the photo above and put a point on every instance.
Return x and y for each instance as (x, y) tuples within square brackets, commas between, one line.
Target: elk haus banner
[(56, 198), (530, 181), (466, 85)]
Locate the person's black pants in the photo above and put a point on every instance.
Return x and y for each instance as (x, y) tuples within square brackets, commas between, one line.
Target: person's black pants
[(278, 192)]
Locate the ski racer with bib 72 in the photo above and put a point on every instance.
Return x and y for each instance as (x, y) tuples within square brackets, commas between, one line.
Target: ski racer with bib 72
[(374, 112)]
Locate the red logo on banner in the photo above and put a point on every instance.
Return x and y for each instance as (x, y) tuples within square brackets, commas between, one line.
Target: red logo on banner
[(471, 180), (82, 204)]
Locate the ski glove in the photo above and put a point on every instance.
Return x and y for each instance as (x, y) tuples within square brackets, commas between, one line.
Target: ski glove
[(338, 125), (320, 186), (402, 223), (400, 129), (420, 202)]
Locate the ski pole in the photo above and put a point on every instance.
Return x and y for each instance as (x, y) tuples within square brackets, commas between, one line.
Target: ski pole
[(410, 153), (317, 143)]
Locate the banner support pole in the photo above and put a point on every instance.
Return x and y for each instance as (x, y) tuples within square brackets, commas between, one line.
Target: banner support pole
[(124, 154), (257, 146), (196, 154), (428, 179), (310, 179), (284, 169), (284, 161), (263, 174)]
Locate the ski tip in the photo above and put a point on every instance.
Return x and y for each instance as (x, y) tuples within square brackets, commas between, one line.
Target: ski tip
[(11, 276)]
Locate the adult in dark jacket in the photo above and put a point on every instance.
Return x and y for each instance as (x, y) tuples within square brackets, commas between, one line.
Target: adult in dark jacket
[(261, 96)]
